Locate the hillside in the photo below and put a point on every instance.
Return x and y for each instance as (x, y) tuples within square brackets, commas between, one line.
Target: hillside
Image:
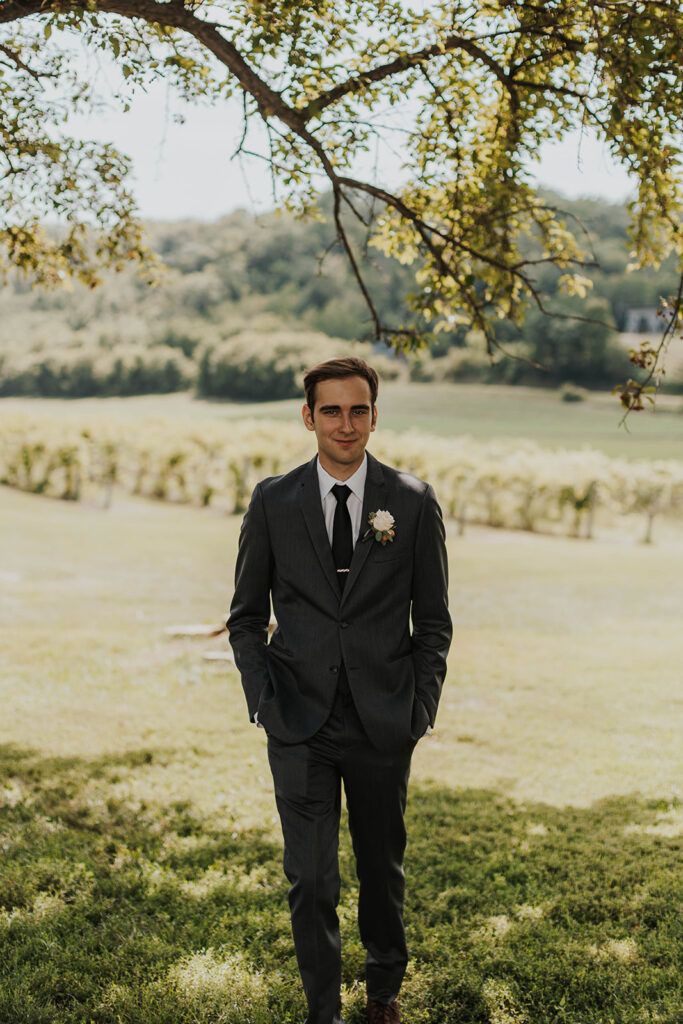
[(285, 283)]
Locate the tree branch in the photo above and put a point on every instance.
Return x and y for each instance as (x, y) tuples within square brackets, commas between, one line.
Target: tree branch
[(18, 62), (344, 239), (172, 15), (426, 54), (402, 63), (631, 393)]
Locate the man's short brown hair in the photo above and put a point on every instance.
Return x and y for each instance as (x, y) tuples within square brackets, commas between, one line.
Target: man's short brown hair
[(337, 369)]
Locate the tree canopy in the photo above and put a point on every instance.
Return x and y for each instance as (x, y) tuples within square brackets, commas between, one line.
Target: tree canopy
[(480, 87)]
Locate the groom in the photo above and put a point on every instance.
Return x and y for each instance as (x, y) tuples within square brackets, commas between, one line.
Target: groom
[(353, 555)]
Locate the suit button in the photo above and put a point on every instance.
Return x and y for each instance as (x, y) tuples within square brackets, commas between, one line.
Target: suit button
[(344, 625), (334, 668)]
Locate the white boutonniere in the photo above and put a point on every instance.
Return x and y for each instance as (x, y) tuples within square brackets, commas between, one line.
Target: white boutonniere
[(381, 527)]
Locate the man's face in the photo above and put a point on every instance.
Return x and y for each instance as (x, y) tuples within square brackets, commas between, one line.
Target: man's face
[(342, 420)]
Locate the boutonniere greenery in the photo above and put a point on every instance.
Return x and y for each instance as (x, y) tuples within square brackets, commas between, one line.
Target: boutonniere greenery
[(381, 527)]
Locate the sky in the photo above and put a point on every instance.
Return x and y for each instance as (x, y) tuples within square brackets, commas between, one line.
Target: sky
[(185, 170)]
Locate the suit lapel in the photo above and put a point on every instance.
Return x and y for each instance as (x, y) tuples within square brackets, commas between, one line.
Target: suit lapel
[(311, 507), (374, 498)]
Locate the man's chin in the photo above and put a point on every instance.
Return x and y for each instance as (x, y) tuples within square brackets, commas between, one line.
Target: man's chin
[(345, 457), (348, 453)]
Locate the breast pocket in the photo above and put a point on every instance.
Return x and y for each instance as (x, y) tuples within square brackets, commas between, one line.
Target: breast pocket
[(384, 559), (387, 552)]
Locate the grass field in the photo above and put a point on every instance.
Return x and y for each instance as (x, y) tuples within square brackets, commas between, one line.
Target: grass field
[(140, 879), (484, 412)]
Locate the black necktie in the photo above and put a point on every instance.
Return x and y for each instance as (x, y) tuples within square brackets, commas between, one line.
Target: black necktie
[(342, 534)]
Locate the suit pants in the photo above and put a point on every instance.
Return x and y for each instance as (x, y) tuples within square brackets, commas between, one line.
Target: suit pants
[(307, 778)]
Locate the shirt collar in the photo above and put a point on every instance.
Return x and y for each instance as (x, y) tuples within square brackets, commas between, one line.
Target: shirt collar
[(355, 483)]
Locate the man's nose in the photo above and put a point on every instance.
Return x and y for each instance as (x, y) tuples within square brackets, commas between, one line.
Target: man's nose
[(347, 425)]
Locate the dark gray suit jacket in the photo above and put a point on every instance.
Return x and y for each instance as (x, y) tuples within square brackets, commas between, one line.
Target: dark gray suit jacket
[(395, 672)]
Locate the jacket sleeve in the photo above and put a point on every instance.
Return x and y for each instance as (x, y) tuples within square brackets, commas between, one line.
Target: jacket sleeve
[(431, 621), (250, 608)]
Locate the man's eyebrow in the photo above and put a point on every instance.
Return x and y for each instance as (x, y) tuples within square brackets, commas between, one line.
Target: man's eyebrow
[(337, 409), (358, 405)]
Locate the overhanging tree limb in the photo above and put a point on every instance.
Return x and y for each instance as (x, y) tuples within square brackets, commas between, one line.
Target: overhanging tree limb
[(503, 78)]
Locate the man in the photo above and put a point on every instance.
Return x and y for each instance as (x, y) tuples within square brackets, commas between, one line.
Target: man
[(350, 551)]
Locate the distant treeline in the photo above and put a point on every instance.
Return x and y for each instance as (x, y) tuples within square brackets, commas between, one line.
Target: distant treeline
[(250, 366), (245, 303)]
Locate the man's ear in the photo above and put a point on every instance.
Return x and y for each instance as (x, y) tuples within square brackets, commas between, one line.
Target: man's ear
[(307, 415), (374, 418)]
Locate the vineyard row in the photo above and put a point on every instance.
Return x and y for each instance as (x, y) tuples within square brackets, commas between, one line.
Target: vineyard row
[(213, 462)]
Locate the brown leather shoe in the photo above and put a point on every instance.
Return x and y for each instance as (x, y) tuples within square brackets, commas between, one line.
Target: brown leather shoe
[(383, 1013)]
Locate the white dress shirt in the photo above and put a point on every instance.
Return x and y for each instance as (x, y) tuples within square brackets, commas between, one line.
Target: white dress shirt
[(354, 502)]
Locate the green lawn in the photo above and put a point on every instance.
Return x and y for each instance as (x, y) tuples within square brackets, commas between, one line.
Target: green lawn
[(484, 412), (140, 879)]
